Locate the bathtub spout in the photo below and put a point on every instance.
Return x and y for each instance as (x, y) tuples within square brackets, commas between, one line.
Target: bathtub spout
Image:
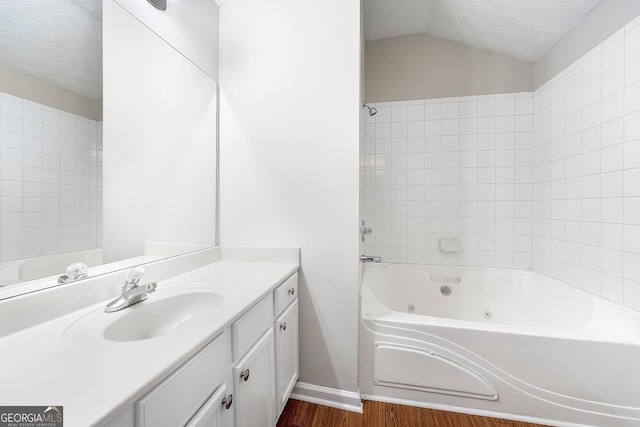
[(369, 258)]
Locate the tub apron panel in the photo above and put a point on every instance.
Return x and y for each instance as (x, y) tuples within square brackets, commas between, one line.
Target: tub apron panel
[(420, 369)]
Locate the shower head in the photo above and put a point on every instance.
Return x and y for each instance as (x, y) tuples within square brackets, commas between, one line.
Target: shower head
[(372, 110)]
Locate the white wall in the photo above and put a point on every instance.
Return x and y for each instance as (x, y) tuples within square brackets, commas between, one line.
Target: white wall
[(587, 171), (452, 167), (160, 139), (189, 27), (289, 81)]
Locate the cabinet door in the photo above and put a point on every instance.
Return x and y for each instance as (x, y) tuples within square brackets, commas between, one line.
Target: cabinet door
[(254, 385), (286, 329), (209, 414)]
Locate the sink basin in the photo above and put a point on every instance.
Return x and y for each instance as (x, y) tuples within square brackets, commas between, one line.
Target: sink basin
[(152, 319), (165, 312)]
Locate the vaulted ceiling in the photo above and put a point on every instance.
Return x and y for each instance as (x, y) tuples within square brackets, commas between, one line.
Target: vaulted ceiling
[(524, 29), (60, 41)]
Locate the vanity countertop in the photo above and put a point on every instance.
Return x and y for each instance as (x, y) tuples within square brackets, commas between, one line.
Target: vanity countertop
[(95, 383)]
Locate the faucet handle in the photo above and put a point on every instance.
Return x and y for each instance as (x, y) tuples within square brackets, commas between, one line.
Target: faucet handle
[(134, 276), (74, 272), (77, 271)]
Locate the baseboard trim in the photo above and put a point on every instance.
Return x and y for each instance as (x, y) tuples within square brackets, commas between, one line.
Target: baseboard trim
[(472, 411), (332, 397)]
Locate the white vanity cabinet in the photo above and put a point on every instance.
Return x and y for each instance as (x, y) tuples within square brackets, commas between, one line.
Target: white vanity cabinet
[(198, 394), (254, 382), (287, 366), (286, 332), (254, 371), (266, 347), (243, 378)]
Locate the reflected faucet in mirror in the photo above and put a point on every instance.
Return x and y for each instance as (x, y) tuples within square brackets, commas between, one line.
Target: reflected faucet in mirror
[(75, 271)]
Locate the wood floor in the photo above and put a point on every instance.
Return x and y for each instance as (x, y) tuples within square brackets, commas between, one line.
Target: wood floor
[(377, 414)]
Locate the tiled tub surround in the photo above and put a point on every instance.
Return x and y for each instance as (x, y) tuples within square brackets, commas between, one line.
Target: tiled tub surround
[(51, 180), (587, 171), (450, 167), (563, 199)]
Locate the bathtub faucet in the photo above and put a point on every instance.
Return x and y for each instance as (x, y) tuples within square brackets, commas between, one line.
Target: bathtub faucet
[(131, 292), (369, 258)]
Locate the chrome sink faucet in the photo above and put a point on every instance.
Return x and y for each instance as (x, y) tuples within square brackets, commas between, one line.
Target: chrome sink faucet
[(75, 271), (132, 293)]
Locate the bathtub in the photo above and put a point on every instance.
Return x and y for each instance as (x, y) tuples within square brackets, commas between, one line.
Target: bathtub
[(508, 343), (24, 270)]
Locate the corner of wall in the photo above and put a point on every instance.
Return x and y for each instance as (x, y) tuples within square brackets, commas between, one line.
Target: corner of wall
[(603, 21)]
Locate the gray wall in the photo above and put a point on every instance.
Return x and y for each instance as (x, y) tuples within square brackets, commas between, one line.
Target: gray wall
[(27, 87), (424, 67)]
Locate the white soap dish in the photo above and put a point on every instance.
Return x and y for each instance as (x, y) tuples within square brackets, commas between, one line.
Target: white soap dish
[(449, 244)]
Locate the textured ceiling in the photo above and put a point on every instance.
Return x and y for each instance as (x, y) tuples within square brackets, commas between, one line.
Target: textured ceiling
[(58, 41), (525, 29)]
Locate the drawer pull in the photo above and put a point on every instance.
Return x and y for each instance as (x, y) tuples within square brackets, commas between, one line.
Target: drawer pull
[(227, 401), (245, 374), (292, 291), (283, 326)]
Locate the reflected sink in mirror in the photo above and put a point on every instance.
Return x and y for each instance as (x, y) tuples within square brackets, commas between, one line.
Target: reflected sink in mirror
[(166, 312)]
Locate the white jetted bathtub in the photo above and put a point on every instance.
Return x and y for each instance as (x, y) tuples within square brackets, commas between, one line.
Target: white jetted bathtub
[(510, 343)]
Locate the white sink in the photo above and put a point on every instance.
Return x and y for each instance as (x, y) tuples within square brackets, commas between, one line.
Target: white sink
[(165, 312)]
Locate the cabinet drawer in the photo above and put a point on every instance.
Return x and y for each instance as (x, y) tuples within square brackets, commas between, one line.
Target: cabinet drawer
[(251, 326), (286, 293), (176, 399)]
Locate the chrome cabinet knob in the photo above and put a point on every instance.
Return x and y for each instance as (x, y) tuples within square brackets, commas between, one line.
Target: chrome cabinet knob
[(292, 291), (227, 401), (283, 326), (245, 374)]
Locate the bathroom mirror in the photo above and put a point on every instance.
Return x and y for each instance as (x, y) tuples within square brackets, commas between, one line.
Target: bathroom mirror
[(51, 210)]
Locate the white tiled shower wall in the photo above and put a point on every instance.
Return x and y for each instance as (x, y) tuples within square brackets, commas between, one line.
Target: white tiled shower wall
[(51, 180), (587, 171), (563, 199), (457, 167)]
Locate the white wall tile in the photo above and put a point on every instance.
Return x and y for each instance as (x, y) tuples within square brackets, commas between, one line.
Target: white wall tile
[(594, 205), (549, 180), (30, 179), (613, 50), (436, 193), (632, 71), (613, 80), (632, 42), (632, 99)]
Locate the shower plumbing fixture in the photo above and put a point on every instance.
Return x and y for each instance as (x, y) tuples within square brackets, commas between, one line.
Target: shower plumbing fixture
[(372, 110), (364, 230), (369, 258)]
